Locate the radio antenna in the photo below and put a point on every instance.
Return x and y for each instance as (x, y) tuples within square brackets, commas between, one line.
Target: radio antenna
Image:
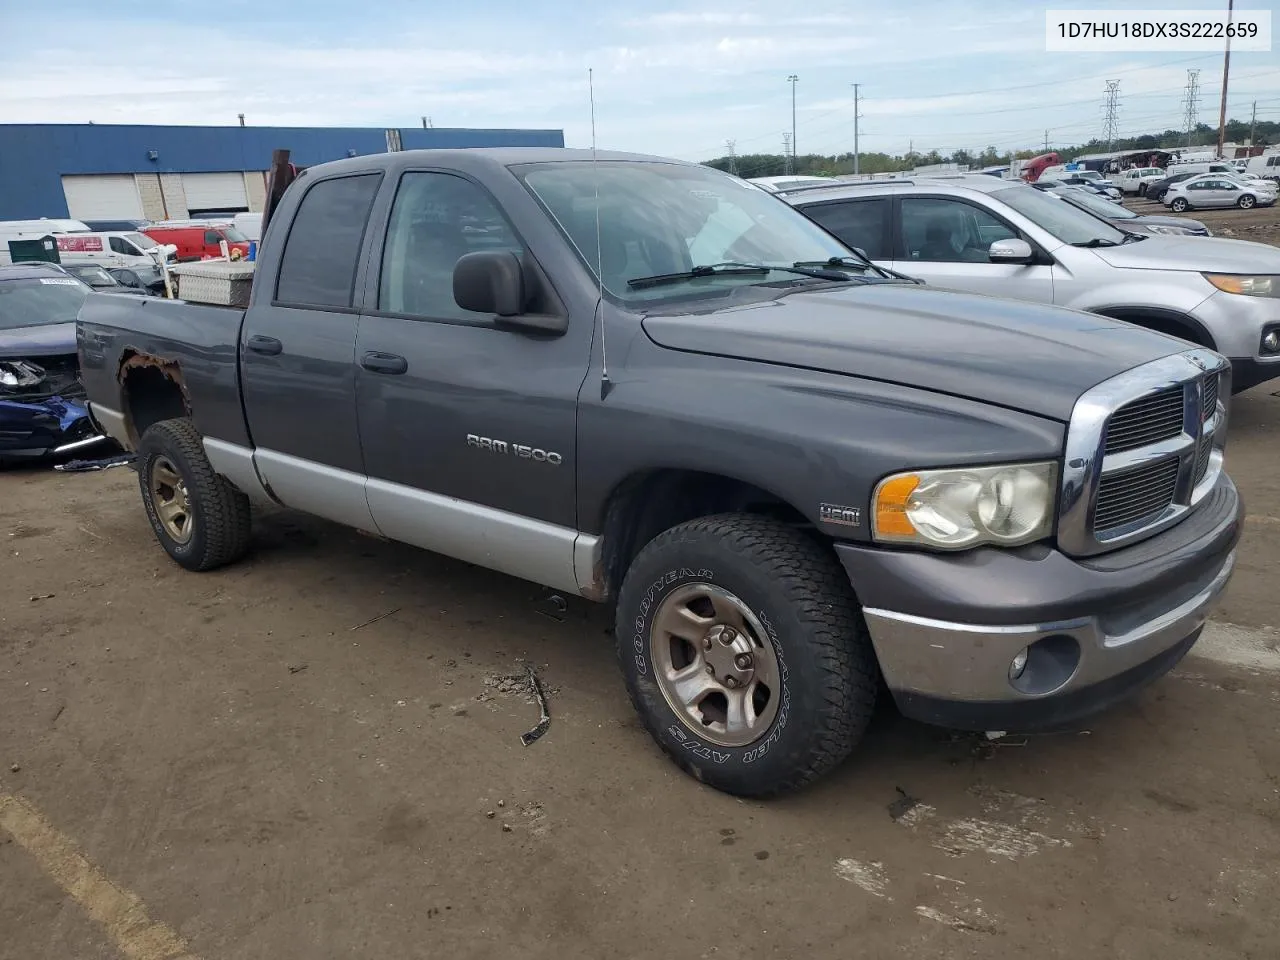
[(605, 385)]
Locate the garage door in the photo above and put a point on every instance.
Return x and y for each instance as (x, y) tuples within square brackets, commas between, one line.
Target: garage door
[(102, 197), (214, 192)]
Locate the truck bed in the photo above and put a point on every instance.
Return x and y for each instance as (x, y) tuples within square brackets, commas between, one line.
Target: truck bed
[(204, 340)]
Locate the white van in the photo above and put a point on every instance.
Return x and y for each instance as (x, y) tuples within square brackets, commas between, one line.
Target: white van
[(41, 227), (114, 248), (1267, 165), (1200, 166), (250, 224)]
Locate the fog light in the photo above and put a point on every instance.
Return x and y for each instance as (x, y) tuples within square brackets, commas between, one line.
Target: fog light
[(1271, 342), (1018, 665)]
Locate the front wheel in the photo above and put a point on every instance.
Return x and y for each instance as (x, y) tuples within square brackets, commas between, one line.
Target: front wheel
[(1246, 201), (200, 519), (745, 653), (1179, 204)]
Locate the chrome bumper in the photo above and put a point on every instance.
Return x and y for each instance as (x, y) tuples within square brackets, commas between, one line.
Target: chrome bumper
[(969, 662)]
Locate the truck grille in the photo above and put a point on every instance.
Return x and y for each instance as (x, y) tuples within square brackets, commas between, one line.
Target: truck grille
[(1146, 421), (1142, 449), (1124, 498)]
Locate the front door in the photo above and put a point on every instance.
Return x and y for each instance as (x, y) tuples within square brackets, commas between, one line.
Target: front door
[(468, 429), (297, 352), (945, 242)]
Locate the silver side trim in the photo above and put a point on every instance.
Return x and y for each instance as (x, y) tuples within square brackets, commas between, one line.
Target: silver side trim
[(507, 542), (236, 464), (328, 492), (112, 424), (588, 566)]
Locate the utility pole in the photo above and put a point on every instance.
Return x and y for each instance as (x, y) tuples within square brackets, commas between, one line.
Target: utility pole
[(1226, 69), (426, 123), (1191, 102), (241, 116), (1253, 122), (793, 79), (787, 166), (1046, 141), (731, 145), (856, 169), (1111, 122)]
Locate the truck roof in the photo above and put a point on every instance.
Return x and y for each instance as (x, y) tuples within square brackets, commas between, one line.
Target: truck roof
[(479, 156)]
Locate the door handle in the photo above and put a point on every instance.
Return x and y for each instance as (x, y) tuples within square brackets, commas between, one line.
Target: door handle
[(384, 362), (265, 345)]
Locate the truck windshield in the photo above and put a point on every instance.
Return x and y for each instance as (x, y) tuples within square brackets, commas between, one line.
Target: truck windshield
[(38, 301), (1069, 224), (658, 219)]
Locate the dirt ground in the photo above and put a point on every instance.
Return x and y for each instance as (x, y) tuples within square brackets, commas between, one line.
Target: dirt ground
[(247, 764)]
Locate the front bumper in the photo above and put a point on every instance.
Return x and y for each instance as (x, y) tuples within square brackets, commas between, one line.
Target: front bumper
[(946, 627), (1238, 324), (44, 428)]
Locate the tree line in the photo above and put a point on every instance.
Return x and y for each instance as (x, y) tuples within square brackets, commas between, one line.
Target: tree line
[(774, 164)]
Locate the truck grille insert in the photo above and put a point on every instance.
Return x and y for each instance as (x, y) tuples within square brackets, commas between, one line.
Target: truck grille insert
[(1202, 458), (1210, 396), (1149, 420), (1141, 494)]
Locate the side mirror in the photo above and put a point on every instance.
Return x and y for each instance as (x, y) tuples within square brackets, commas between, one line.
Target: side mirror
[(490, 281), (494, 281), (1011, 251)]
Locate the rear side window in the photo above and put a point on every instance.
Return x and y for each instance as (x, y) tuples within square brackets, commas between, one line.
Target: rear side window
[(318, 267), (211, 237), (859, 223)]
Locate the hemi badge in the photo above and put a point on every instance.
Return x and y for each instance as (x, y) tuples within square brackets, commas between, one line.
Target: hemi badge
[(835, 513)]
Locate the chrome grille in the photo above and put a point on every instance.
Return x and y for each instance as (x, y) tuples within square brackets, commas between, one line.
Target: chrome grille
[(1143, 449), (1125, 498), (1210, 401), (1146, 421)]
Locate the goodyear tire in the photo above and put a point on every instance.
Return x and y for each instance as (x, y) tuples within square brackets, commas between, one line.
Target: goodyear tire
[(200, 519), (745, 653)]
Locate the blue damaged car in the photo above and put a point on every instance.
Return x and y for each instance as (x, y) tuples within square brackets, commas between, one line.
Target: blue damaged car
[(42, 408)]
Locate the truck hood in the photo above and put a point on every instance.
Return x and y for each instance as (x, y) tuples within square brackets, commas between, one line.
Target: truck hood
[(1208, 254), (1024, 356), (44, 341)]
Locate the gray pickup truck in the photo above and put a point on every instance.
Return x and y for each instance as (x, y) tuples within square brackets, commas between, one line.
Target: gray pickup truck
[(795, 475)]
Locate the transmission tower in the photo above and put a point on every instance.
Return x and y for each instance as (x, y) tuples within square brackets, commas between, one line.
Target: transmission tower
[(1111, 119), (731, 146), (788, 166), (1190, 102)]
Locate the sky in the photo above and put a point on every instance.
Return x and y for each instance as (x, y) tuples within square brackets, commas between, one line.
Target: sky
[(674, 79)]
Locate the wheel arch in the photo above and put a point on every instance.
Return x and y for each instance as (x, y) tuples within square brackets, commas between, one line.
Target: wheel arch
[(1162, 320), (647, 502), (152, 389)]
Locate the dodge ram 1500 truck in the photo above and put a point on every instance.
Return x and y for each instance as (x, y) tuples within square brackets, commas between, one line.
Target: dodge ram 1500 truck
[(652, 384)]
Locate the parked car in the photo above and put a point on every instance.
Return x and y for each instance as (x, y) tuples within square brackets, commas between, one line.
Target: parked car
[(97, 277), (1123, 217), (117, 248), (1156, 189), (42, 408), (199, 241), (775, 429), (147, 280), (1265, 165), (774, 184), (1199, 166), (1208, 190), (249, 224), (1136, 179), (1007, 239)]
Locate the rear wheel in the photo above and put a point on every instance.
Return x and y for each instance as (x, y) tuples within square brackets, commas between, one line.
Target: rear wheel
[(200, 519), (1246, 201), (745, 653), (1179, 204)]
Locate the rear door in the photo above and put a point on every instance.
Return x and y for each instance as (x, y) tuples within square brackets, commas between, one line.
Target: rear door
[(863, 223), (298, 352), (945, 242)]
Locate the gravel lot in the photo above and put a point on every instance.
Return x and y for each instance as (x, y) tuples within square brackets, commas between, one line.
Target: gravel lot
[(228, 766)]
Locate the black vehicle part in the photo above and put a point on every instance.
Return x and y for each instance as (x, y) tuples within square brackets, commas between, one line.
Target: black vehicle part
[(1162, 321), (793, 591), (216, 528)]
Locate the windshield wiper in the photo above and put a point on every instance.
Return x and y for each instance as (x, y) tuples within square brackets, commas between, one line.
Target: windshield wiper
[(729, 269), (1096, 242), (1132, 237), (857, 264)]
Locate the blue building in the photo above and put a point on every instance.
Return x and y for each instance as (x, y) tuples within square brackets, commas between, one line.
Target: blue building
[(127, 172)]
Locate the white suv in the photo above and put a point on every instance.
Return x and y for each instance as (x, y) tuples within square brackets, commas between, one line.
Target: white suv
[(1007, 239)]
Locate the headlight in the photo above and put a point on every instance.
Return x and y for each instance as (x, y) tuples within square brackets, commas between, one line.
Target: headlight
[(1161, 228), (953, 509), (1257, 286)]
